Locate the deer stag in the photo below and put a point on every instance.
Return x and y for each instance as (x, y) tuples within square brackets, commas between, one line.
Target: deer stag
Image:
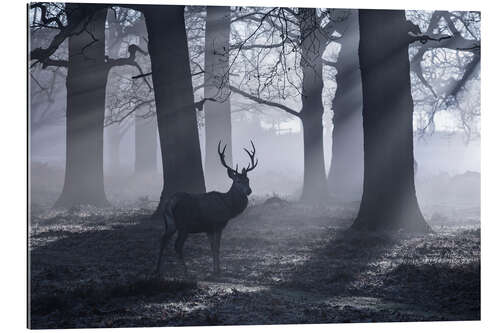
[(187, 213)]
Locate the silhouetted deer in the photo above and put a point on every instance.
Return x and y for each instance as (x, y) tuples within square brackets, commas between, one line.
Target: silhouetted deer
[(187, 213)]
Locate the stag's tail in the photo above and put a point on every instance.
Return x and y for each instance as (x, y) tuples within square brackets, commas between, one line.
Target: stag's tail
[(170, 229)]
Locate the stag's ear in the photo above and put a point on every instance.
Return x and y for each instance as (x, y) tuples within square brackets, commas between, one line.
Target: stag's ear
[(230, 173), (244, 172)]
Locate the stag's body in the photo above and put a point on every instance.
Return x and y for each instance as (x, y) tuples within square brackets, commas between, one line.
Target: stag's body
[(207, 212), (187, 213)]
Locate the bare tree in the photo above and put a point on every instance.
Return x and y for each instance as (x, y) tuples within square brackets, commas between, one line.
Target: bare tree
[(445, 68), (86, 80), (389, 200), (345, 178), (432, 86), (216, 76), (302, 37), (128, 97), (174, 99)]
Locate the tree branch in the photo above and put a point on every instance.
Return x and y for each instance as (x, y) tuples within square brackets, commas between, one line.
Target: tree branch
[(43, 16), (53, 62), (470, 69), (75, 27), (199, 105), (262, 101), (130, 60), (142, 75), (432, 41)]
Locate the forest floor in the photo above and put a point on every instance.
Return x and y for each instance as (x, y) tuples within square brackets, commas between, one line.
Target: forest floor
[(282, 263)]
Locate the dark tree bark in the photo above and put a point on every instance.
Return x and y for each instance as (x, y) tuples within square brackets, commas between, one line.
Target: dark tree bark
[(312, 47), (389, 200), (177, 124), (345, 178), (86, 94), (217, 113)]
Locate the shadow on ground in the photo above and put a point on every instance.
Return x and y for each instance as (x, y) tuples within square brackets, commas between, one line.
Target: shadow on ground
[(282, 263)]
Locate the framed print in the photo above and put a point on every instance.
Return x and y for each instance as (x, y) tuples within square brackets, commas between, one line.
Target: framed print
[(225, 165)]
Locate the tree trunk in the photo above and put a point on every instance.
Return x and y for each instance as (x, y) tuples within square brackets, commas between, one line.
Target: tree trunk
[(146, 145), (345, 179), (113, 131), (217, 114), (389, 201), (114, 138), (86, 94), (314, 188), (146, 130), (177, 124)]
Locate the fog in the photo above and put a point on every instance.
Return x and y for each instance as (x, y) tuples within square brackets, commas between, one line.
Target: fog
[(445, 142), (441, 154), (446, 136)]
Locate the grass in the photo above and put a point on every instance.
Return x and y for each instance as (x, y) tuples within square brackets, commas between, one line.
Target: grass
[(282, 262)]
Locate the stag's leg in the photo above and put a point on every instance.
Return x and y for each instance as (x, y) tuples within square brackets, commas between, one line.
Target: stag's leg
[(211, 239), (179, 245), (163, 243), (217, 248)]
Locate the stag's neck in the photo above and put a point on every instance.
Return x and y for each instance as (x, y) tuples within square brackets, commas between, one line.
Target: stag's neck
[(237, 200)]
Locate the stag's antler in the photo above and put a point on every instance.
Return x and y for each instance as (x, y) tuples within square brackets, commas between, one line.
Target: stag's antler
[(222, 157), (251, 154), (253, 160)]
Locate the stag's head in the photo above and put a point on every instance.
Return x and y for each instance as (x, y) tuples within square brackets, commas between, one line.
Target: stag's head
[(240, 179)]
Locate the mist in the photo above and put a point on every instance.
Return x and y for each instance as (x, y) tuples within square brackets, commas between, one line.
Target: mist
[(280, 173)]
